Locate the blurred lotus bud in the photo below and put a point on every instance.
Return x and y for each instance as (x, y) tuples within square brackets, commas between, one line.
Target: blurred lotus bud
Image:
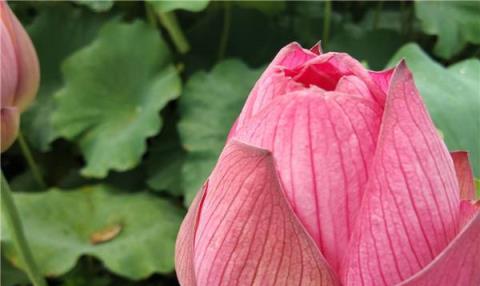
[(19, 73)]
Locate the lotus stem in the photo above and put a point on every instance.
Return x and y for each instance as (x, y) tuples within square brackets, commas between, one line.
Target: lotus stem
[(170, 23), (12, 219), (150, 13), (227, 20), (27, 154)]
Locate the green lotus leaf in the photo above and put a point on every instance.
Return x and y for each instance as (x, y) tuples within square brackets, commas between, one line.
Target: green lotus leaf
[(132, 234), (114, 90), (73, 28), (456, 23), (208, 107)]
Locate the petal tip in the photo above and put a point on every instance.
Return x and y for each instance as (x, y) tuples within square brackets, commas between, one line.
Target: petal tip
[(401, 67), (237, 144), (402, 63), (317, 48)]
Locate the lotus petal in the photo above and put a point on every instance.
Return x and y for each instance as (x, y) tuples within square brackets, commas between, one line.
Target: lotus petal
[(28, 71), (185, 244), (382, 78), (322, 143), (245, 231), (273, 83), (353, 85), (10, 120), (410, 210), (458, 264), (317, 48), (327, 69), (9, 72), (468, 209), (464, 175)]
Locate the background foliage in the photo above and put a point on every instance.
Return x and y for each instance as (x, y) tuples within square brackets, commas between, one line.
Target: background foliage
[(136, 100)]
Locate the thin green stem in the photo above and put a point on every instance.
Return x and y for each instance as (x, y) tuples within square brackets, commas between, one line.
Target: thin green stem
[(37, 175), (227, 21), (327, 13), (12, 219), (150, 13), (170, 23)]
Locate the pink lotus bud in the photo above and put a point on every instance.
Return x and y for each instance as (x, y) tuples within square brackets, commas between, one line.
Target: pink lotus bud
[(333, 175), (19, 74)]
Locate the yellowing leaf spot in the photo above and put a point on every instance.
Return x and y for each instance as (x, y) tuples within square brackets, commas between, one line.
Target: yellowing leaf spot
[(106, 234)]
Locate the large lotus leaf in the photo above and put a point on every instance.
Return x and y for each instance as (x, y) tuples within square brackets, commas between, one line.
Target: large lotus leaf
[(133, 234), (115, 88), (165, 6), (72, 28), (456, 23), (452, 96), (208, 107)]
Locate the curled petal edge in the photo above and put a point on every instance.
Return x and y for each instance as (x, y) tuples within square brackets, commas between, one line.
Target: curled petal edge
[(458, 264), (241, 229), (184, 246), (464, 173)]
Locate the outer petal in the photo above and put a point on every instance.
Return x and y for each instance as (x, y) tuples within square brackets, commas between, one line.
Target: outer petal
[(184, 246), (247, 233), (458, 264), (273, 82), (9, 72), (410, 210), (464, 175), (9, 126), (322, 142), (292, 56), (26, 58)]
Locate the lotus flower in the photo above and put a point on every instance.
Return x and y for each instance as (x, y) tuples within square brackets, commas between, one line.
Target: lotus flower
[(19, 75), (333, 175)]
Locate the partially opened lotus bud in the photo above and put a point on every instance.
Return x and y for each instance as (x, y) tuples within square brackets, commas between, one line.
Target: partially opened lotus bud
[(19, 73), (333, 175)]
